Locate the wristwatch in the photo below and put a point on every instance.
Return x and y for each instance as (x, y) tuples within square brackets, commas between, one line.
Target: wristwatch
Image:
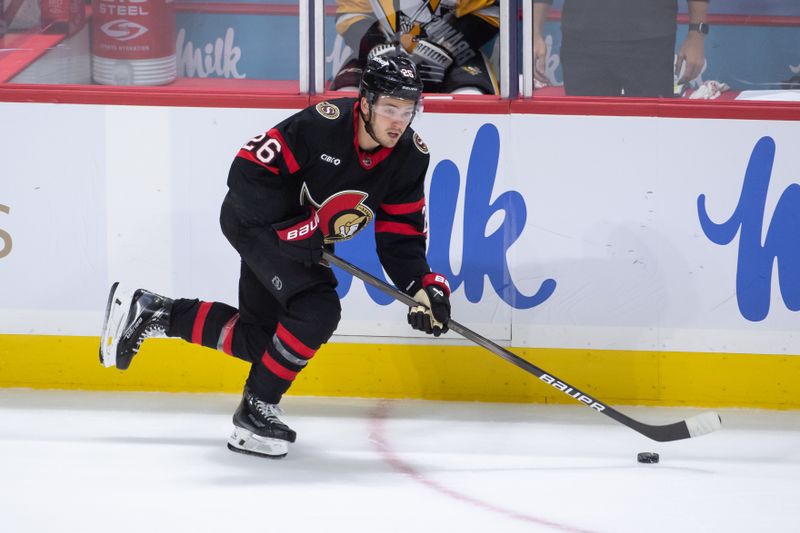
[(701, 27)]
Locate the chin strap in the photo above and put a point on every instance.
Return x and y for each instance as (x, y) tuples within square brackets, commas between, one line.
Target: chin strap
[(368, 122), (368, 127)]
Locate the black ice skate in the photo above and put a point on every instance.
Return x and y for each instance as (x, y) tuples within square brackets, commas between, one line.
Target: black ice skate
[(257, 430), (131, 317)]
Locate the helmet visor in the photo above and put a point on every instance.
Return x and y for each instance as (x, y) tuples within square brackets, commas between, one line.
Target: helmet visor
[(397, 109)]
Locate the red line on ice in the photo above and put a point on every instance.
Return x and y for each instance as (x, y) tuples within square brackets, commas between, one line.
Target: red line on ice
[(379, 440)]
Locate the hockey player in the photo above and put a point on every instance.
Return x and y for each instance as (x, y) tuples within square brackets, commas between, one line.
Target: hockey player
[(317, 178), (443, 37)]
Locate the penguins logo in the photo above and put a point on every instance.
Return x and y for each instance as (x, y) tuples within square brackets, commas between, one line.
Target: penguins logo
[(471, 70), (342, 215)]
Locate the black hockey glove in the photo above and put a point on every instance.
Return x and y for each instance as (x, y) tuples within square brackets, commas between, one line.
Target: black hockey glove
[(433, 292), (432, 61), (300, 238), (451, 35), (386, 49)]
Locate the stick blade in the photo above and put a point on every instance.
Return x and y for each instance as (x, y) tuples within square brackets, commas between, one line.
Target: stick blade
[(703, 424), (695, 426)]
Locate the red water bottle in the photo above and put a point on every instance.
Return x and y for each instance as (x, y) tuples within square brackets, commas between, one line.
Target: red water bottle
[(133, 42), (63, 16)]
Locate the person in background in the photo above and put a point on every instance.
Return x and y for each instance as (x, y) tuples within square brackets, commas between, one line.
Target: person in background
[(622, 47), (442, 37), (317, 178)]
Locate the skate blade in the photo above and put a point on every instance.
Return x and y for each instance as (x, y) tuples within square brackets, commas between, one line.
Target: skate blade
[(112, 323), (248, 443)]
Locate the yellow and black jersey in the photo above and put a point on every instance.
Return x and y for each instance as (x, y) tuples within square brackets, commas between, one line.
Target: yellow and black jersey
[(378, 21)]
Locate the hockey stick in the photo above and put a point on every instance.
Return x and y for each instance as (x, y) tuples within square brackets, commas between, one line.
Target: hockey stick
[(392, 33), (694, 426)]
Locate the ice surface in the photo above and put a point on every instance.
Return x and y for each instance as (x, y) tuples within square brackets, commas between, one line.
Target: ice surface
[(119, 462)]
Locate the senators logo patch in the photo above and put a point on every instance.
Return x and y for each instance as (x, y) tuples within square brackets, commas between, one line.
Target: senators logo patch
[(342, 215), (418, 142), (328, 111)]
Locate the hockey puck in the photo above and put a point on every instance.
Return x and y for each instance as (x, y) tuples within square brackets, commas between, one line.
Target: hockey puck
[(647, 457)]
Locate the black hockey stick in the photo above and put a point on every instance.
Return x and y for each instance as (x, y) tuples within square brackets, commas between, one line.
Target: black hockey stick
[(691, 427)]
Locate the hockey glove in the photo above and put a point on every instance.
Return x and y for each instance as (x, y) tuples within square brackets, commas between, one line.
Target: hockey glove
[(300, 238), (459, 38), (385, 49), (433, 292), (432, 61)]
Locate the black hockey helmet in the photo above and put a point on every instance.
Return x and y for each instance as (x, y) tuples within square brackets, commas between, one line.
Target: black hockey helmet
[(390, 75)]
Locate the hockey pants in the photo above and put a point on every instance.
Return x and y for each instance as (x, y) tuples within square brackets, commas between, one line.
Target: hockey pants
[(286, 311)]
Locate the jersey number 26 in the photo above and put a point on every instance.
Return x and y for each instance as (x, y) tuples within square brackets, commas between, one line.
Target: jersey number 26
[(265, 151)]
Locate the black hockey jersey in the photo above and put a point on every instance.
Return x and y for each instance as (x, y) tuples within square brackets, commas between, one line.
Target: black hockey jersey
[(313, 158)]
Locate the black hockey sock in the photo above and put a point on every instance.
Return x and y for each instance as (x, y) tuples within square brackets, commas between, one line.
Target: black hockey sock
[(265, 385), (283, 359), (209, 324)]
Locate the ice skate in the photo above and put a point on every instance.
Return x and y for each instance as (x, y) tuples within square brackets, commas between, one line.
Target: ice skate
[(257, 430), (131, 317)]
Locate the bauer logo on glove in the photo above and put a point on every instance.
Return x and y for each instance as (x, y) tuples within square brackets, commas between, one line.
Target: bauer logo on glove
[(432, 291), (300, 238), (301, 230)]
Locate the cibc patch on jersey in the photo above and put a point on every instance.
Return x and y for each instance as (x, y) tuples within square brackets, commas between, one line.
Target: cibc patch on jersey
[(328, 110), (342, 215), (420, 144)]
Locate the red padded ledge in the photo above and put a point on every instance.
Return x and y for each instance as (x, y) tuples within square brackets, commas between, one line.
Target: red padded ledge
[(669, 108), (188, 92), (192, 92)]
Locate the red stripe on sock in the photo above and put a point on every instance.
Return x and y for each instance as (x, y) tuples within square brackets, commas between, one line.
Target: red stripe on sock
[(227, 334), (277, 368), (298, 347), (199, 322)]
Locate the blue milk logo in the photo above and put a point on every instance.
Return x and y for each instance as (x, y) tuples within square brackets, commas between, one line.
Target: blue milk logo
[(755, 262), (483, 256)]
